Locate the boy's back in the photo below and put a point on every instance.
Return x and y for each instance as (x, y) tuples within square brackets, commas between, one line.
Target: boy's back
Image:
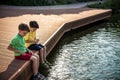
[(18, 43)]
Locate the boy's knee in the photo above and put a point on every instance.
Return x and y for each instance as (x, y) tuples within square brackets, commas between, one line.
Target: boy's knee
[(33, 58), (45, 47), (41, 49), (37, 56)]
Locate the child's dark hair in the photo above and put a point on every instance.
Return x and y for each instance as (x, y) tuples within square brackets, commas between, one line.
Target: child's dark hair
[(23, 27), (33, 24)]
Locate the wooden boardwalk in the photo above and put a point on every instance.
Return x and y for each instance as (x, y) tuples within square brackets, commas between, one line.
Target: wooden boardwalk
[(53, 24)]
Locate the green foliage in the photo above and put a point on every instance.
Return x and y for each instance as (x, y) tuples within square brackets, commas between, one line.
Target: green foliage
[(109, 4), (85, 0), (61, 1), (25, 2), (115, 5), (39, 2)]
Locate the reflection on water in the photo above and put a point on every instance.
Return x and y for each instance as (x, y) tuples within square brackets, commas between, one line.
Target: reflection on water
[(94, 55)]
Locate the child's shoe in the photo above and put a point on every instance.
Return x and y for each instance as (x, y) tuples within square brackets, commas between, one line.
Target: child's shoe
[(35, 77), (48, 63), (45, 65), (40, 76)]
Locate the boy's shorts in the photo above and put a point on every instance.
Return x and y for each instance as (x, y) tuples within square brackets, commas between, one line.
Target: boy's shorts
[(36, 47), (25, 57)]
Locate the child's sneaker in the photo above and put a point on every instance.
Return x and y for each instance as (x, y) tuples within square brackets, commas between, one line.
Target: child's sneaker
[(48, 63), (45, 65), (40, 76), (35, 77)]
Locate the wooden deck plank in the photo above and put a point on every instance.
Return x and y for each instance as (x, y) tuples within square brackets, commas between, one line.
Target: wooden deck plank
[(52, 26), (9, 66)]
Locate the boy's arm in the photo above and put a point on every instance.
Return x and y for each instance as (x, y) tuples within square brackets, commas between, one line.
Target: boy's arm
[(37, 41), (12, 49), (30, 41)]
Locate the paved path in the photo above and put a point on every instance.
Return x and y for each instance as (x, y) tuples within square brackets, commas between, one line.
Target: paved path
[(7, 11), (76, 5)]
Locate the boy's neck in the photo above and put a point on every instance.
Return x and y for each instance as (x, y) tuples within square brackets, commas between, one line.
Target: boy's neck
[(32, 31), (20, 34)]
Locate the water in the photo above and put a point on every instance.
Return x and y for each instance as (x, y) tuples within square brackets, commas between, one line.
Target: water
[(90, 54)]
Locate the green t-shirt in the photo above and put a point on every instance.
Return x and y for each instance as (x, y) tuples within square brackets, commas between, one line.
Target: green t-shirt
[(18, 43)]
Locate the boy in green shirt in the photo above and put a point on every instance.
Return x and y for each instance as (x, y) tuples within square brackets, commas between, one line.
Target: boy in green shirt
[(17, 45)]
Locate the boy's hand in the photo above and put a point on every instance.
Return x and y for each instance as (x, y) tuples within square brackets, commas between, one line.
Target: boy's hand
[(37, 41), (22, 53), (29, 51)]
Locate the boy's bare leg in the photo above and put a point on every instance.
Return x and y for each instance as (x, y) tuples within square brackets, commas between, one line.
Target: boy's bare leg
[(37, 56), (34, 65), (45, 55), (41, 55), (44, 50)]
